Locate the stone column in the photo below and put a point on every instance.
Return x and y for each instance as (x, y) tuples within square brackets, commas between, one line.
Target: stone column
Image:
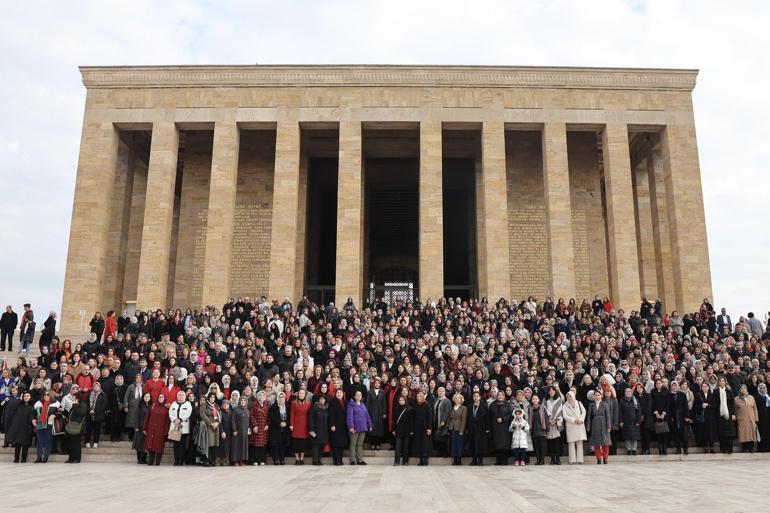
[(686, 217), (494, 274), (221, 213), (431, 212), (558, 206), (621, 225), (349, 280), (645, 241), (158, 217), (89, 231), (664, 270), (283, 246)]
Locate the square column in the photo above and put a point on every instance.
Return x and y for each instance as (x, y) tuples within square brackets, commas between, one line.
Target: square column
[(645, 242), (221, 213), (89, 231), (621, 220), (494, 272), (664, 270), (286, 190), (558, 206), (349, 276), (158, 217), (686, 217), (431, 212)]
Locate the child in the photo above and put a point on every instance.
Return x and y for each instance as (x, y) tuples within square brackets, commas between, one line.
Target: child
[(519, 427)]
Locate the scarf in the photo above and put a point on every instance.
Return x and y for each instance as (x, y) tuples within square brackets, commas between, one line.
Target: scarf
[(92, 399), (44, 412), (724, 412), (137, 391)]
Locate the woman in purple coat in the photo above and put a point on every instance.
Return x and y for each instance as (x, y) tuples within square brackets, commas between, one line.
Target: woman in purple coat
[(359, 422)]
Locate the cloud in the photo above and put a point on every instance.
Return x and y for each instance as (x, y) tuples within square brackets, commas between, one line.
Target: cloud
[(44, 42)]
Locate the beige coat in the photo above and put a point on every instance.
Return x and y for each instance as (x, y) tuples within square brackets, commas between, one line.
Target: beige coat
[(457, 419), (747, 416), (575, 432)]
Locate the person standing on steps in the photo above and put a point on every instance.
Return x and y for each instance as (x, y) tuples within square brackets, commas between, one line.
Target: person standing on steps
[(359, 423), (8, 323)]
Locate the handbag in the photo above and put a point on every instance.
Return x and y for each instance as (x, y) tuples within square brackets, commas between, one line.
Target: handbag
[(59, 424), (175, 434), (661, 426)]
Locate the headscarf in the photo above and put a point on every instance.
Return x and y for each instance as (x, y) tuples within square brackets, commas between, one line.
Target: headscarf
[(724, 411)]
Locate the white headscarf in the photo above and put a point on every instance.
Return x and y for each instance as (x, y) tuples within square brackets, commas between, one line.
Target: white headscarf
[(724, 411)]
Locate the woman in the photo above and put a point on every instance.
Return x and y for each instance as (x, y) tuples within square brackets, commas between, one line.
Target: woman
[(137, 441), (659, 400), (599, 425), (20, 429), (240, 421), (553, 413), (338, 426), (403, 429), (538, 429), (478, 429), (762, 401), (155, 430), (724, 406), (519, 427), (574, 421), (645, 408), (358, 423), (223, 451), (423, 422), (97, 325), (456, 422), (318, 426), (132, 400), (630, 421), (704, 417), (747, 415), (279, 433), (179, 420), (117, 407), (44, 414), (501, 414), (611, 399), (77, 411), (211, 418), (298, 425), (441, 408), (377, 405), (97, 408), (259, 418)]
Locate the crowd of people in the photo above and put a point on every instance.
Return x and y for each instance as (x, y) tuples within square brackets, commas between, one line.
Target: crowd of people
[(261, 381)]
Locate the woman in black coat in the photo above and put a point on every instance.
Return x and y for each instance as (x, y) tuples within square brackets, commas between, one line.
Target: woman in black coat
[(645, 407), (403, 429), (19, 431), (97, 411), (630, 421), (725, 415), (137, 443), (762, 398), (478, 429), (423, 422), (501, 413), (318, 426), (279, 433), (338, 426), (704, 418), (660, 405)]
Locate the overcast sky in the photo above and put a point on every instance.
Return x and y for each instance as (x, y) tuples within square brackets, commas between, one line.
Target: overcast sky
[(42, 96)]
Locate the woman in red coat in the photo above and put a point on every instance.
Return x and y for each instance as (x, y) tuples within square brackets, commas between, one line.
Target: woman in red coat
[(155, 429), (259, 414), (111, 326), (154, 386), (298, 424)]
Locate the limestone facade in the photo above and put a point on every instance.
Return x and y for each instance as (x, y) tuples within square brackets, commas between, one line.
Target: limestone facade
[(192, 182)]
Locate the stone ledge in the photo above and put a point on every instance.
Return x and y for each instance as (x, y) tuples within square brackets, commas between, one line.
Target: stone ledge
[(117, 77)]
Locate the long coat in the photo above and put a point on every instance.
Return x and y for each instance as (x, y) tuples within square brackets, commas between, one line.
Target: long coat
[(441, 409), (338, 420), (278, 436), (478, 428), (259, 416), (141, 414), (19, 430), (239, 445), (403, 420), (764, 421), (631, 417), (377, 405), (209, 416), (156, 426), (423, 420), (599, 423), (501, 415), (298, 419), (132, 416), (747, 415), (575, 431), (725, 427), (318, 423)]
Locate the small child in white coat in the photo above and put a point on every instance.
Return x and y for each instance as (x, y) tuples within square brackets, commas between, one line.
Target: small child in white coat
[(519, 427)]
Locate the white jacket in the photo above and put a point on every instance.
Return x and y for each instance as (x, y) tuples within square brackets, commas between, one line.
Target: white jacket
[(181, 412), (519, 428)]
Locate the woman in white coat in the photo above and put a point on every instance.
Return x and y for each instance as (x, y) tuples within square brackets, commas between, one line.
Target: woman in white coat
[(574, 420), (519, 427), (179, 414)]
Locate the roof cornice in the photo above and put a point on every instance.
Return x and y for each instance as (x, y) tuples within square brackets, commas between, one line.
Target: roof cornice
[(112, 77)]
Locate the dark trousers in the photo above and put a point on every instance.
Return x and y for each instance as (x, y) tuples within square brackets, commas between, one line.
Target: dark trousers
[(6, 334), (645, 439), (540, 444), (93, 430), (747, 447), (180, 448), (676, 435), (43, 443), (662, 442), (520, 455), (337, 455), (20, 451), (257, 454), (73, 447), (501, 456), (726, 444), (153, 458), (401, 454), (456, 444), (317, 451), (278, 452)]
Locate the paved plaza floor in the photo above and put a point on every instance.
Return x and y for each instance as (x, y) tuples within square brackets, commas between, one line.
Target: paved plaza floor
[(719, 486)]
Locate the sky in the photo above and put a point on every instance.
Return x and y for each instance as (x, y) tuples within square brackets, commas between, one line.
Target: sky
[(42, 97)]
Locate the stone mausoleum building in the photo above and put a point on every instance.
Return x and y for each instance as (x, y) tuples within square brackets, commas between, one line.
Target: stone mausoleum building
[(197, 183)]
